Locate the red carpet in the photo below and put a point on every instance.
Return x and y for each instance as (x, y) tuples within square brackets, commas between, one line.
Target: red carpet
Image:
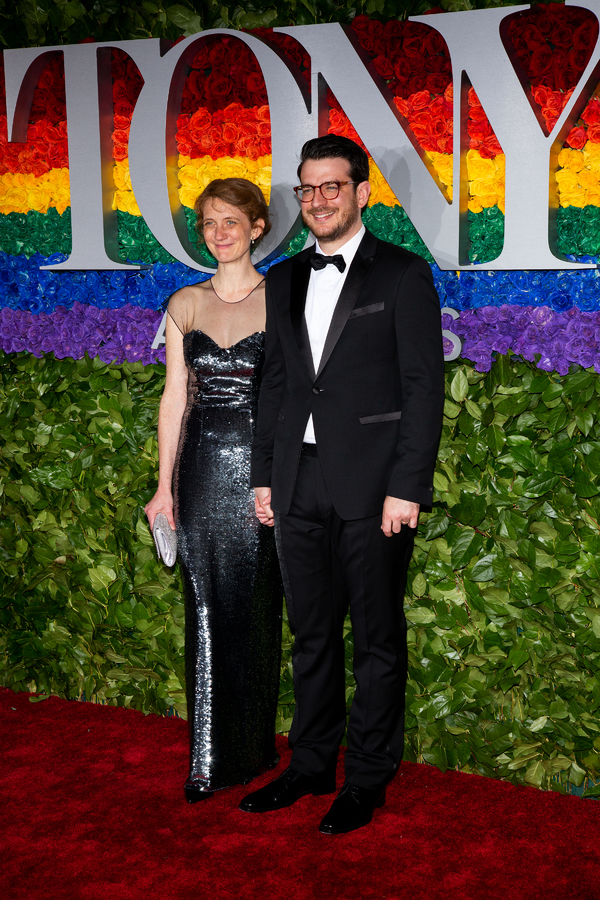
[(92, 808)]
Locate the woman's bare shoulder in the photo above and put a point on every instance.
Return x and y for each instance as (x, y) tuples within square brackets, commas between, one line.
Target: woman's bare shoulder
[(191, 292)]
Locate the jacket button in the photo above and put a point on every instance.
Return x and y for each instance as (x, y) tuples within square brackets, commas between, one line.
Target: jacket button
[(317, 390)]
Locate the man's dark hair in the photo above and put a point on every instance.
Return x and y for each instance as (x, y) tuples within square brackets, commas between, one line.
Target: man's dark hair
[(334, 146)]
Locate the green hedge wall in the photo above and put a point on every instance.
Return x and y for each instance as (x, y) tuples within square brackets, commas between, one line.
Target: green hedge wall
[(504, 592)]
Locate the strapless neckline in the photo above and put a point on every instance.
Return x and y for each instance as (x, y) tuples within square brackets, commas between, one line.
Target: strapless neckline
[(231, 346)]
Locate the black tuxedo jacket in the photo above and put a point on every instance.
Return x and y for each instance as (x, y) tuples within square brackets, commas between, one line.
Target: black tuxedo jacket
[(378, 395)]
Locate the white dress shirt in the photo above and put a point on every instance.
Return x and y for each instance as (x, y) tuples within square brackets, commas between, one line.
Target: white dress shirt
[(324, 288)]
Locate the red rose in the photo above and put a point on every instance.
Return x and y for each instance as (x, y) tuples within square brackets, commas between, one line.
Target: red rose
[(586, 35), (445, 143), (490, 148), (440, 64), (477, 114), (255, 82), (57, 155), (264, 130), (120, 152), (217, 55), (541, 60), (434, 43), (217, 86), (262, 114), (184, 145), (265, 147), (591, 114), (195, 83), (383, 67), (392, 29), (360, 24), (120, 137), (593, 134), (532, 36), (436, 127), (200, 60), (416, 83), (402, 106), (436, 84), (420, 100), (230, 132), (219, 150), (123, 108), (577, 138), (479, 131), (413, 46), (403, 69), (578, 58), (419, 123), (46, 79), (201, 119), (118, 68), (119, 89), (562, 36), (122, 123), (449, 93), (541, 94), (473, 98)]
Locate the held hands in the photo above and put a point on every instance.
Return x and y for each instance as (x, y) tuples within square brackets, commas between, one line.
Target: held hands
[(397, 513), (262, 505), (162, 502)]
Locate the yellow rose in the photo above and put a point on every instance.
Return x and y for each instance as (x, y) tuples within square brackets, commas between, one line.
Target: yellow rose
[(571, 159), (477, 167), (587, 179), (576, 197), (567, 180), (38, 198), (593, 197)]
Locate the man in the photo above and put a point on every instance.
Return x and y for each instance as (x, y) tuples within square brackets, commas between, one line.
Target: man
[(348, 426)]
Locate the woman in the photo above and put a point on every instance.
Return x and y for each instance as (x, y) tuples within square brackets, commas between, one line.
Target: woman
[(214, 347)]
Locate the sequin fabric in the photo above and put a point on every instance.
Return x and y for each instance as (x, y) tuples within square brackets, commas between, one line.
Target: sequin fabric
[(232, 585)]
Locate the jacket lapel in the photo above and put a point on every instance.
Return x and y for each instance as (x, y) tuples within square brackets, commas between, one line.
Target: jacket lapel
[(299, 287), (357, 275)]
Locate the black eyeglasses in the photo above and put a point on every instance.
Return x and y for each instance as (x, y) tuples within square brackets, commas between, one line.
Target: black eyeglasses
[(329, 190)]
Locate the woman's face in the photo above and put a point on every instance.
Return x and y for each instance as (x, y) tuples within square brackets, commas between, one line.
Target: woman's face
[(227, 230)]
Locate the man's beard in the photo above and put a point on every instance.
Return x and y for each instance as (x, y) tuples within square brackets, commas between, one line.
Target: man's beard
[(343, 225)]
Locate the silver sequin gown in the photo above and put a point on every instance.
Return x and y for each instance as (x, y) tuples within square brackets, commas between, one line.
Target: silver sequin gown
[(232, 584)]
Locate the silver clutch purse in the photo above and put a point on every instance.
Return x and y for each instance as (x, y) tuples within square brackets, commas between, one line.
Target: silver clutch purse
[(165, 539)]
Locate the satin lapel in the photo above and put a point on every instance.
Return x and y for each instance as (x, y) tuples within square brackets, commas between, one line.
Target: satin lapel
[(357, 275), (300, 278)]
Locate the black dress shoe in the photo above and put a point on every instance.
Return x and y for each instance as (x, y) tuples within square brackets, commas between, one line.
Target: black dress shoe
[(288, 788), (352, 808)]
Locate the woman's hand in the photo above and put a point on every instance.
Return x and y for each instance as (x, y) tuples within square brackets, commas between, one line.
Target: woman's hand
[(262, 506), (162, 502)]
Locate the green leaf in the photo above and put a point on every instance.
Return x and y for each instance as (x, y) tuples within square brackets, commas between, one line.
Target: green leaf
[(483, 570), (539, 484), (101, 577), (187, 21), (459, 386), (418, 615)]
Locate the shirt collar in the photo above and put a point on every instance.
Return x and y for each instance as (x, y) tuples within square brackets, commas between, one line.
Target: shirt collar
[(348, 250)]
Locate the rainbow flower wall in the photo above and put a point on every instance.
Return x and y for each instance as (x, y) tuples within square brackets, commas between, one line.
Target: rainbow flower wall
[(224, 129)]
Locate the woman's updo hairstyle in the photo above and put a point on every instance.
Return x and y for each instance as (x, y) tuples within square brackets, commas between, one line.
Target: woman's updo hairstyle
[(238, 192)]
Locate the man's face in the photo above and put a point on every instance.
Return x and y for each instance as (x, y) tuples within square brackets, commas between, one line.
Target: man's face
[(333, 221)]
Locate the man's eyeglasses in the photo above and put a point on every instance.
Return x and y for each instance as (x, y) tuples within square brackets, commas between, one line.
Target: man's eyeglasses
[(329, 190)]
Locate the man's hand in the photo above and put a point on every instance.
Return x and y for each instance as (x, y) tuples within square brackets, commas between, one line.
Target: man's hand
[(397, 513), (262, 505)]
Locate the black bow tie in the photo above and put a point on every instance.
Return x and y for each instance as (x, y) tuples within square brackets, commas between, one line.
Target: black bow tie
[(318, 261)]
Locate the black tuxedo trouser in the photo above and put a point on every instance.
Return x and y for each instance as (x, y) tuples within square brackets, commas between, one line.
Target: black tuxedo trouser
[(328, 565)]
